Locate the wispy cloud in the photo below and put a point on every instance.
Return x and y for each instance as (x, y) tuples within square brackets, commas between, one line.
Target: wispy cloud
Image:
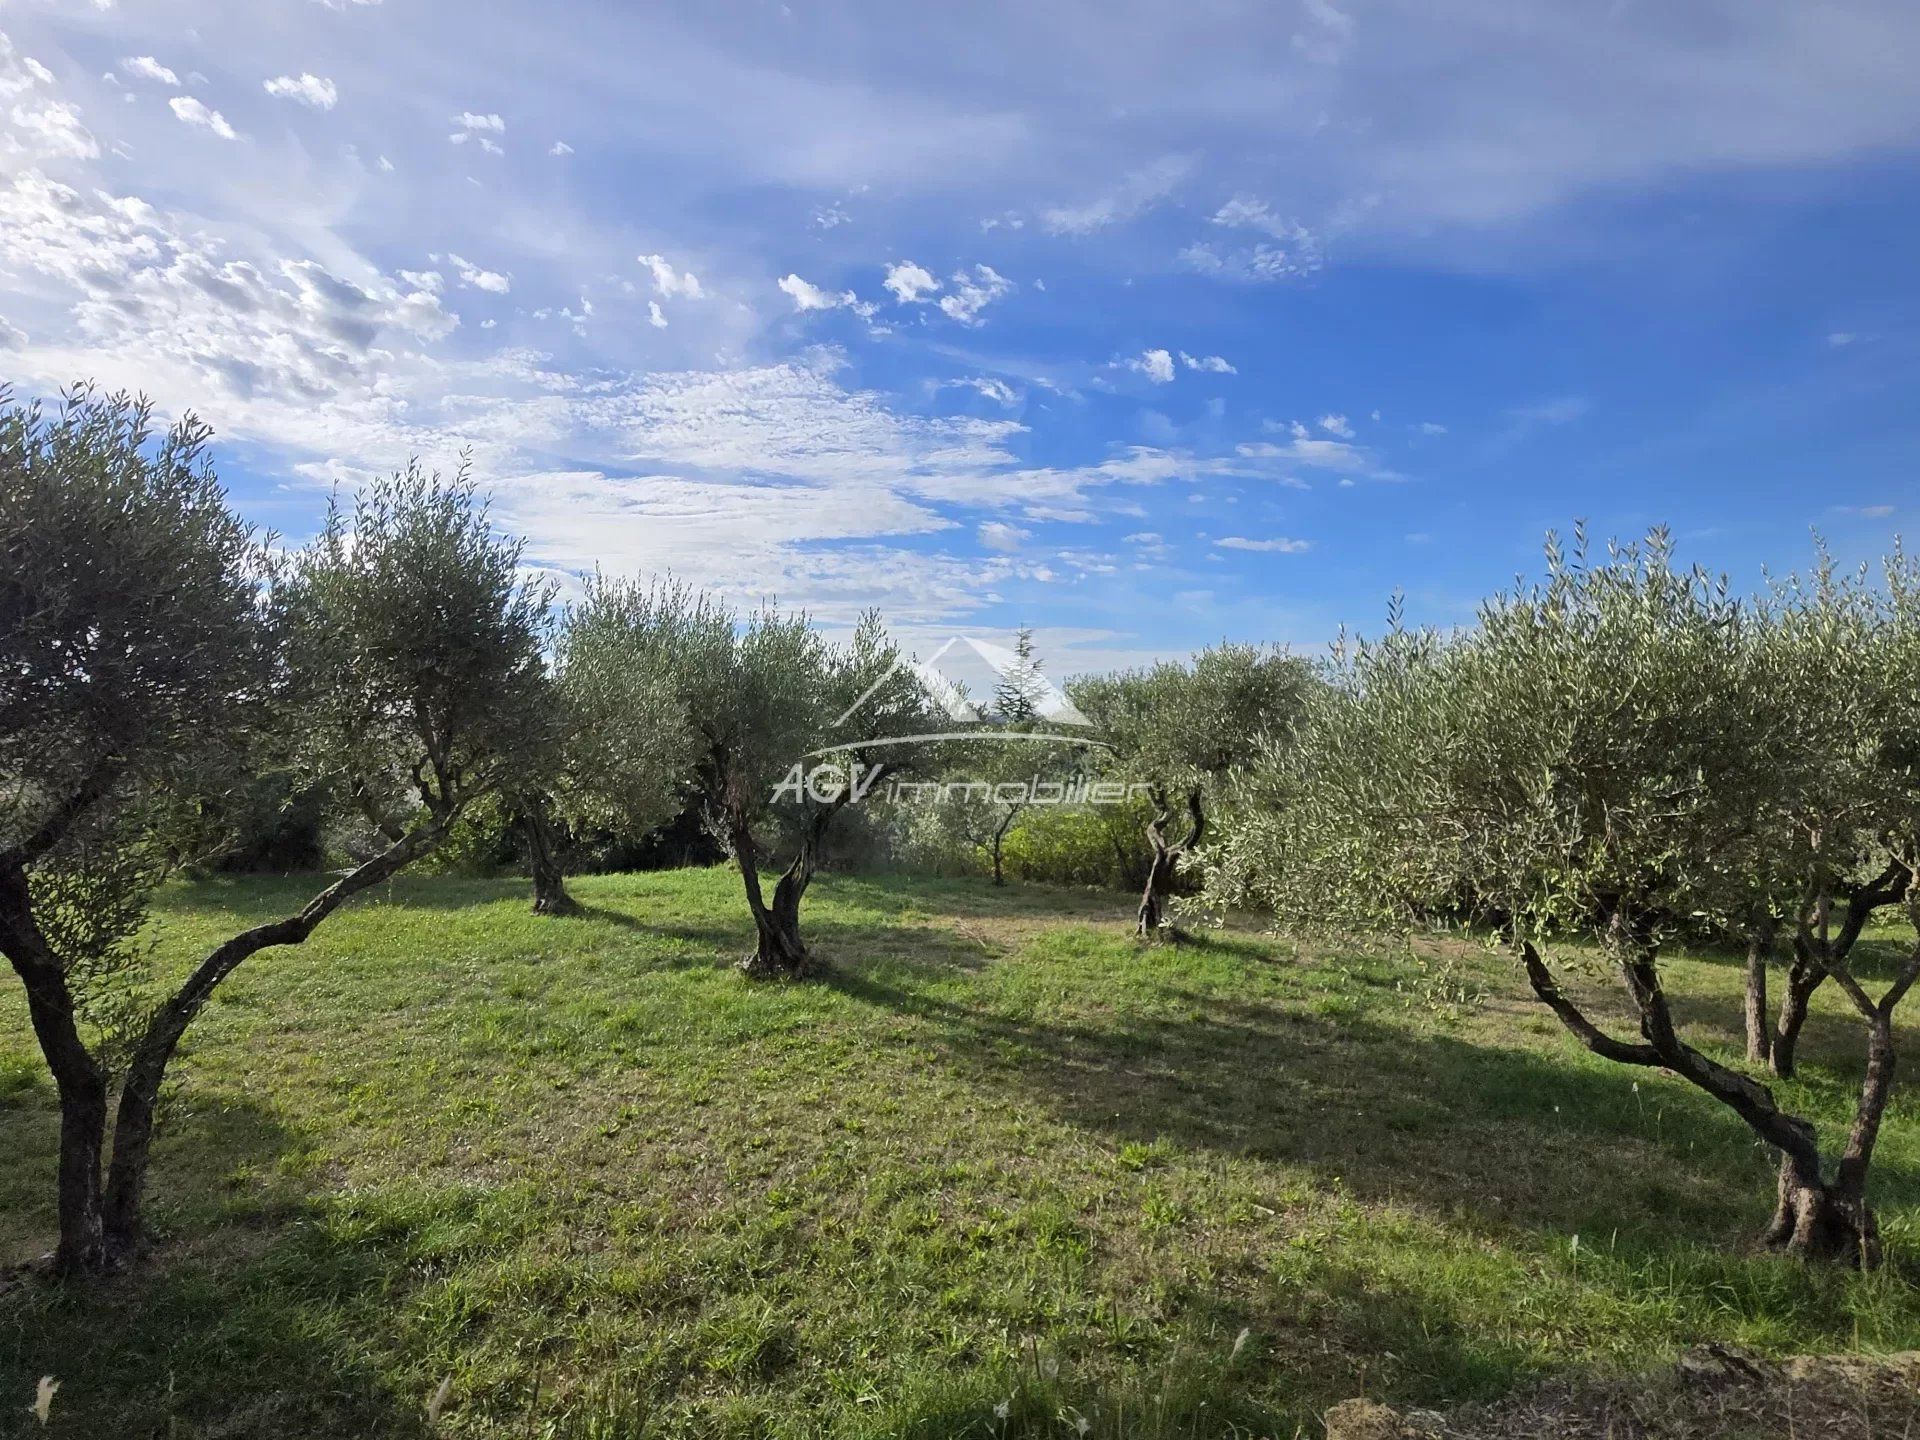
[(193, 112), (480, 278), (145, 67), (1273, 545), (304, 89), (972, 292), (1139, 191)]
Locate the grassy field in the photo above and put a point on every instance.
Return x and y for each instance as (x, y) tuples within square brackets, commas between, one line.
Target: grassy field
[(1004, 1172)]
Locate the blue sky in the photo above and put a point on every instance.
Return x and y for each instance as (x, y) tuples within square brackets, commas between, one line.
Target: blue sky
[(1142, 324)]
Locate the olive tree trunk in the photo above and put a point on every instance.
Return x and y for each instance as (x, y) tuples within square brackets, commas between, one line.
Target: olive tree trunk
[(1818, 1216), (1165, 858), (997, 844), (100, 1217), (780, 953), (1818, 951), (78, 1080), (544, 860), (1759, 957)]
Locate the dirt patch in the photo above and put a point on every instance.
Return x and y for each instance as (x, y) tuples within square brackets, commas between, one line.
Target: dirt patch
[(1715, 1392)]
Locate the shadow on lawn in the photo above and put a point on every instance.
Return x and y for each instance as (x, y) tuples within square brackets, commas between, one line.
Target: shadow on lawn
[(1489, 1139), (977, 899), (235, 1325)]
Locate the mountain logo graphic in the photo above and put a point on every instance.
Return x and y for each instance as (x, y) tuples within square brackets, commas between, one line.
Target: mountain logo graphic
[(951, 675)]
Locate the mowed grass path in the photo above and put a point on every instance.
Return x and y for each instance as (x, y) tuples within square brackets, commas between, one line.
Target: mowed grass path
[(1002, 1157)]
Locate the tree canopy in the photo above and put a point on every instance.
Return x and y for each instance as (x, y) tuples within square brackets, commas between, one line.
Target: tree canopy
[(1619, 753), (150, 655)]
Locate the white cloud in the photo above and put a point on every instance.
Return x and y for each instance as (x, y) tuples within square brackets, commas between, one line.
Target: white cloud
[(1866, 512), (670, 282), (492, 281), (1139, 191), (673, 468), (1278, 545), (996, 390), (1290, 249), (472, 123), (910, 284), (309, 90), (808, 296), (973, 293), (1430, 427), (160, 307), (1148, 546), (1156, 365), (40, 127), (655, 316), (1841, 338), (1216, 364), (145, 67), (1336, 425), (386, 165), (1260, 264), (50, 129), (11, 337), (996, 535), (192, 112), (1337, 456), (560, 147)]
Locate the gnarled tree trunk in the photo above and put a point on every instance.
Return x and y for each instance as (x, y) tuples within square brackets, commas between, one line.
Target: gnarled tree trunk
[(140, 1089), (78, 1080), (550, 895), (100, 1217), (998, 845), (1819, 1221), (1833, 1221), (1816, 1217), (1818, 952), (1165, 858), (1803, 978), (1759, 957), (779, 951)]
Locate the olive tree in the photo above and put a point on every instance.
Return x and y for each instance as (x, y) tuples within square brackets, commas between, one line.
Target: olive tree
[(1830, 647), (1600, 759), (1185, 730), (871, 721), (783, 731), (987, 784), (621, 756), (148, 650)]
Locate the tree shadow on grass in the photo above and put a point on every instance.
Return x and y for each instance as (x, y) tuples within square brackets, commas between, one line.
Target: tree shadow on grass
[(980, 899), (1486, 1138), (1473, 1165), (236, 1323)]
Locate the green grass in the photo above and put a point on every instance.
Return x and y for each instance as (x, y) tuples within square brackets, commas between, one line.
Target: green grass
[(1002, 1158)]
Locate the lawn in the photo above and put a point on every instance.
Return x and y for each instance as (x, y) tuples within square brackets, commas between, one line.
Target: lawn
[(1004, 1171)]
